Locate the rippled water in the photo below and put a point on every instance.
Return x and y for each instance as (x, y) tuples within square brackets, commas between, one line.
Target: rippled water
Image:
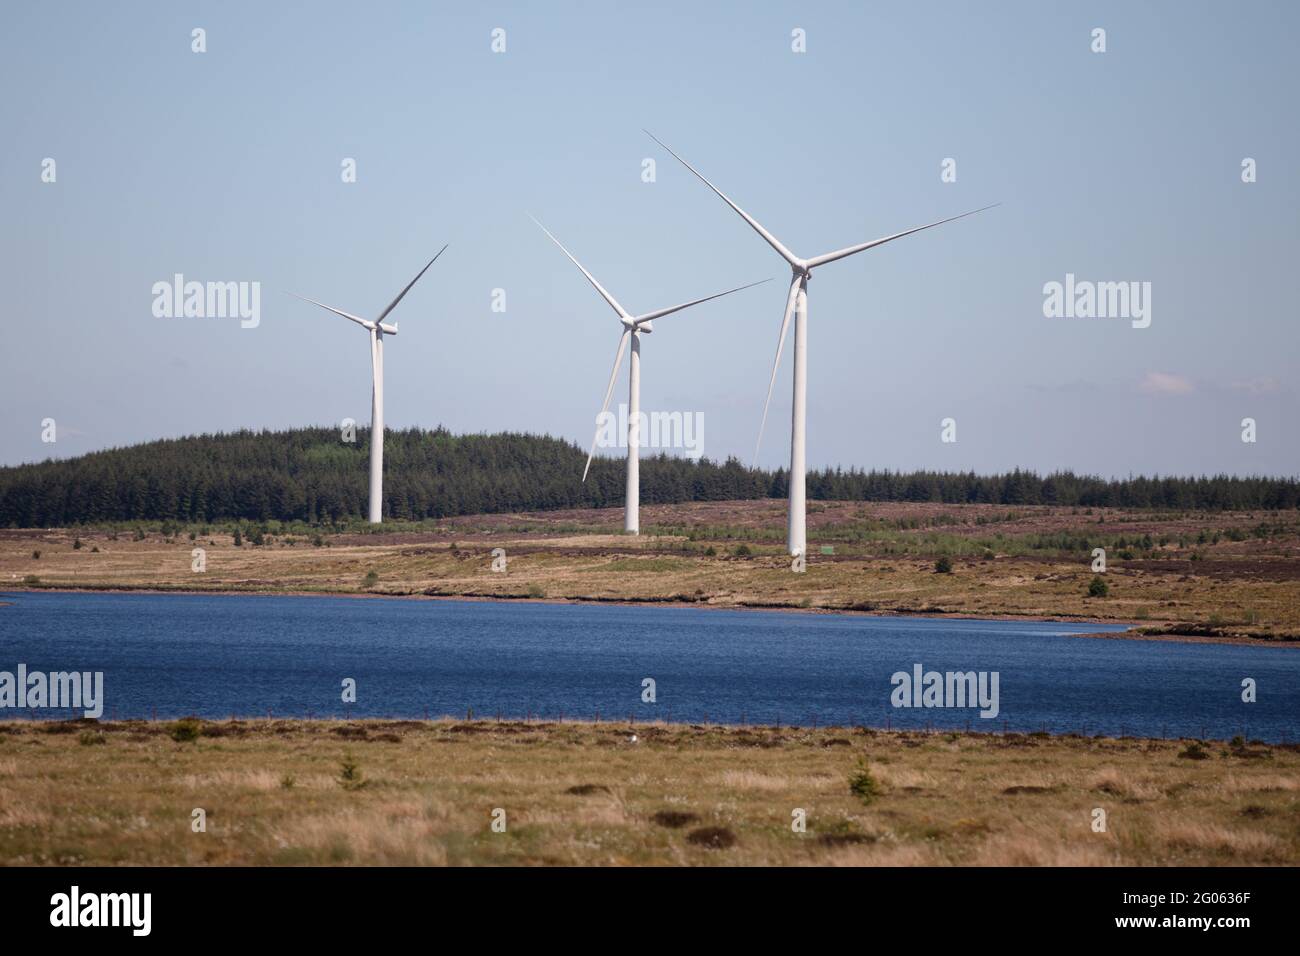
[(247, 655)]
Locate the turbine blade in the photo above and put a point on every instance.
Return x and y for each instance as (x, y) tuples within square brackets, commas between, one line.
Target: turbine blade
[(862, 247), (392, 305), (776, 362), (613, 376), (364, 323), (772, 241), (660, 313), (622, 313)]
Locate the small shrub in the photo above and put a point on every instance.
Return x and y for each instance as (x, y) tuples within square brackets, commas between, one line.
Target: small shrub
[(88, 738), (536, 591), (674, 819), (287, 782), (239, 539), (186, 730), (742, 551), (943, 565), (139, 534), (587, 789), (94, 549), (371, 579), (350, 777), (862, 784), (712, 838), (36, 556), (76, 544), (1098, 587), (31, 579), (1195, 751)]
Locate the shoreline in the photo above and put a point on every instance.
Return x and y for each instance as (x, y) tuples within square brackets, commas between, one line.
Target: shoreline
[(234, 724), (1131, 629)]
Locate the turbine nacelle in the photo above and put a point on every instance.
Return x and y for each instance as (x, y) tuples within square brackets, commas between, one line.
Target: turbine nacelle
[(387, 329), (632, 324), (797, 301)]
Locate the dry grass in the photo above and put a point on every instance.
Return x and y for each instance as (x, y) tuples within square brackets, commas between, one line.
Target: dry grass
[(1213, 837), (581, 793)]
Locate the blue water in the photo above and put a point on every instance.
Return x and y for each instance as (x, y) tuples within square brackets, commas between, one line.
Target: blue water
[(247, 655)]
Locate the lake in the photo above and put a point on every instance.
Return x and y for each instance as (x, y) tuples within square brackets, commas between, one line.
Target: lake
[(169, 655)]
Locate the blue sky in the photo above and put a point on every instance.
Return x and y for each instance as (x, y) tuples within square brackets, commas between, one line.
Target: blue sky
[(225, 166)]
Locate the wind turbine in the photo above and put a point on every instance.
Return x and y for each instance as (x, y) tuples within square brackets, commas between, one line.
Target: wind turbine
[(797, 303), (633, 326), (377, 328)]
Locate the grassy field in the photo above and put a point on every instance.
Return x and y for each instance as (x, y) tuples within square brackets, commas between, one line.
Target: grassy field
[(408, 792), (1233, 574)]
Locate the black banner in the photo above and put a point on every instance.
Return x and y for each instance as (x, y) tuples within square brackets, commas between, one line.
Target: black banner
[(980, 906)]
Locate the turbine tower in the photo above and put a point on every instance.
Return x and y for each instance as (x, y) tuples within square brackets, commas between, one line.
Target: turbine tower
[(797, 303), (633, 326), (377, 328)]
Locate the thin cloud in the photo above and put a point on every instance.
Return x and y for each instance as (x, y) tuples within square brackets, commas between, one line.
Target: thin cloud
[(1257, 386), (1164, 383)]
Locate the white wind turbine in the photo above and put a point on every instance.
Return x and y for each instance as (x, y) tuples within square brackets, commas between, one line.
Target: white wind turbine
[(633, 326), (377, 328), (797, 303)]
